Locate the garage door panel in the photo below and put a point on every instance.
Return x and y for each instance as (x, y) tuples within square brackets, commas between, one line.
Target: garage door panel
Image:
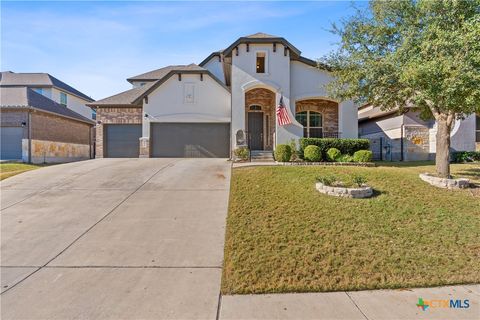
[(123, 140), (11, 143), (190, 140)]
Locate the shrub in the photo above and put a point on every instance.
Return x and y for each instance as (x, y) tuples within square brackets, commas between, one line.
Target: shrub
[(345, 158), (466, 156), (293, 147), (328, 179), (312, 153), (363, 156), (283, 152), (333, 154), (359, 180), (242, 153), (346, 146)]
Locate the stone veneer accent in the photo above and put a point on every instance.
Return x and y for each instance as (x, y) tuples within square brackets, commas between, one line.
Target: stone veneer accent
[(144, 147), (328, 109), (114, 115), (266, 99), (444, 182), (55, 151), (417, 140), (358, 193)]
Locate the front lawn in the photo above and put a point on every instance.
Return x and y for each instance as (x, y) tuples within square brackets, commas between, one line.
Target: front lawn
[(284, 236), (10, 169)]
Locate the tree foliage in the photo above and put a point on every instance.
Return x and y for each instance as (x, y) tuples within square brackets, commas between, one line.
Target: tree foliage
[(407, 53), (420, 54)]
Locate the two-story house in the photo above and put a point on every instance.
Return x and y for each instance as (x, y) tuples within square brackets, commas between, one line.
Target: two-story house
[(43, 119), (227, 101)]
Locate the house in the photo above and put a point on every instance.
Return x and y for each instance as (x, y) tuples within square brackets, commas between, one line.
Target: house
[(227, 101), (36, 128), (50, 87), (407, 137)]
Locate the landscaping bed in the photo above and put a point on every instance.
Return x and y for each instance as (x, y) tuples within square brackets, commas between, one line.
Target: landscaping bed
[(284, 236)]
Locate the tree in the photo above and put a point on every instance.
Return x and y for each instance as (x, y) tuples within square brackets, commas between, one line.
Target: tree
[(419, 54)]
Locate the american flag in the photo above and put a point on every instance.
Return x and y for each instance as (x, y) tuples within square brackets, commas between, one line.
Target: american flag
[(282, 114)]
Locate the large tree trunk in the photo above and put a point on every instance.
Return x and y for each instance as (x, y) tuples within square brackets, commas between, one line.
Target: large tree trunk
[(442, 157)]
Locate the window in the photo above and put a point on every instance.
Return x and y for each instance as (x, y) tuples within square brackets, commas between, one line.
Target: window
[(142, 84), (260, 62), (255, 108), (312, 123), (94, 114), (38, 90), (63, 98), (477, 132)]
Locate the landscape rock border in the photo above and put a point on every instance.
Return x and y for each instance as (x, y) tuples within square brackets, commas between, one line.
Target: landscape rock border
[(357, 193), (338, 164), (445, 183)]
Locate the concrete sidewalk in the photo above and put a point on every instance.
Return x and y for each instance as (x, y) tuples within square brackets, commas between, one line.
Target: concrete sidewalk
[(374, 304)]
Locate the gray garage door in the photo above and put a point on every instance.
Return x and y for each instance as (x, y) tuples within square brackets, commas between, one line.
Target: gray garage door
[(11, 143), (122, 140), (190, 140)]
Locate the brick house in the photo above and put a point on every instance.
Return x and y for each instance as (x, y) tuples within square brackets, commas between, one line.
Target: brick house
[(227, 101), (37, 129)]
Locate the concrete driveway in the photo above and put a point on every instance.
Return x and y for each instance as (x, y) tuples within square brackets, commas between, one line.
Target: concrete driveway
[(114, 239)]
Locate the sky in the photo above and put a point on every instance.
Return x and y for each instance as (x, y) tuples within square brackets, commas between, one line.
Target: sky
[(95, 46)]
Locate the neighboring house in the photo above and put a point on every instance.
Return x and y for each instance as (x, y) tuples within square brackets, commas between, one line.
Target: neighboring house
[(37, 129), (407, 137), (227, 101), (50, 87)]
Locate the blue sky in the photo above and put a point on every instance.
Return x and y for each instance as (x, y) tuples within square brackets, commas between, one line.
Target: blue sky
[(95, 46)]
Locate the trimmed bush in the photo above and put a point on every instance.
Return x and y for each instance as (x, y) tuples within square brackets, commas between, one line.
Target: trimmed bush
[(346, 146), (283, 152), (466, 156), (312, 153), (242, 153), (345, 158), (363, 156), (333, 154)]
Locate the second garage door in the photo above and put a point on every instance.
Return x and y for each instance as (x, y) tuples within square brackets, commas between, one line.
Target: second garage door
[(11, 143), (122, 140), (190, 140)]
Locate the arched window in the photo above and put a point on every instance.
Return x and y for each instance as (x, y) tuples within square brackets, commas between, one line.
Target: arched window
[(312, 123), (255, 108)]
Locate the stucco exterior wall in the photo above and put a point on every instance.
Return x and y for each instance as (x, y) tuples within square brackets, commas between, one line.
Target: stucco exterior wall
[(169, 102), (114, 115), (276, 78), (215, 67), (73, 102), (309, 82)]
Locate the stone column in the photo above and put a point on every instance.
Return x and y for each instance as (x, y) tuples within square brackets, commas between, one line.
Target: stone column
[(145, 147)]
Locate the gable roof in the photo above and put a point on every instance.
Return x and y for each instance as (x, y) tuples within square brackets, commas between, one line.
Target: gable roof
[(162, 72), (260, 37), (23, 97), (155, 78), (13, 79)]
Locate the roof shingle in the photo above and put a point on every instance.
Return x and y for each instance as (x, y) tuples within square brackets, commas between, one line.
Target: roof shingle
[(12, 79), (23, 97)]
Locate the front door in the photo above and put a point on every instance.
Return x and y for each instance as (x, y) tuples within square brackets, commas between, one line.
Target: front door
[(255, 130)]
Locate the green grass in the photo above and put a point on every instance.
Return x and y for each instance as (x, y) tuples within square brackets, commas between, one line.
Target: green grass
[(284, 236), (11, 169)]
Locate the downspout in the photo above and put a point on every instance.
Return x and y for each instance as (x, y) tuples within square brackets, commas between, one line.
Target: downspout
[(29, 136), (401, 141)]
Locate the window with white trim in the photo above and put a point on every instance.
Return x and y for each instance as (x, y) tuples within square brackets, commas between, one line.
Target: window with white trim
[(63, 99), (312, 123), (477, 130), (261, 64)]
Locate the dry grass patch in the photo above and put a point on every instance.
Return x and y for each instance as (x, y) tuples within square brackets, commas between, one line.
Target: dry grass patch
[(11, 169), (284, 236)]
